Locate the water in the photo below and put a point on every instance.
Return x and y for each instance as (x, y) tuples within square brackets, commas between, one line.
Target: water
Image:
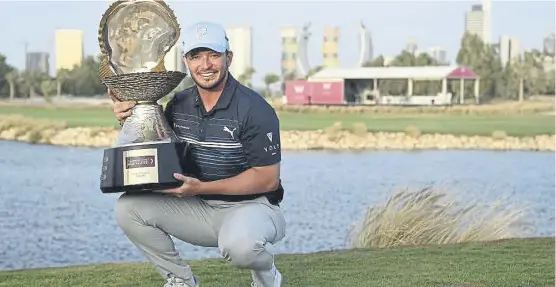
[(53, 214)]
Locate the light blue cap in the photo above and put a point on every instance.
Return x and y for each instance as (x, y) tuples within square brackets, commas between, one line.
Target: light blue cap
[(205, 35)]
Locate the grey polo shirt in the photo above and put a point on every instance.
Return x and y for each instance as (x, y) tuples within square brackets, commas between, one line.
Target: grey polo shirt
[(240, 132)]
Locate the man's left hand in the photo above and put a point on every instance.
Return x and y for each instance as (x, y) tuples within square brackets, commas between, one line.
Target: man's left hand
[(190, 186)]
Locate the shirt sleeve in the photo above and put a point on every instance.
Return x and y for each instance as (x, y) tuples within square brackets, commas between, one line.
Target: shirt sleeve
[(260, 137)]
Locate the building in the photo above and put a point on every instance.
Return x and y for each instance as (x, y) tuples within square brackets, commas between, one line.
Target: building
[(241, 45), (69, 49), (330, 47), (487, 21), (173, 57), (509, 49), (478, 21), (384, 86), (439, 55), (37, 62), (412, 47), (549, 44), (474, 21), (365, 46), (294, 51)]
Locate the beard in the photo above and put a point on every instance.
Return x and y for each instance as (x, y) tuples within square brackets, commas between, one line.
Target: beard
[(212, 82)]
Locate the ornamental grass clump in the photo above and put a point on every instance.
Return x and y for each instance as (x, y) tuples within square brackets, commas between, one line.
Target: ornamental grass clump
[(426, 216)]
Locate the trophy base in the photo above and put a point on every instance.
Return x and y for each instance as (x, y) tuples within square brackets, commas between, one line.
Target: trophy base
[(141, 168)]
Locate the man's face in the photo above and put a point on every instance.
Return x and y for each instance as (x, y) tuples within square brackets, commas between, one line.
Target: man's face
[(207, 67)]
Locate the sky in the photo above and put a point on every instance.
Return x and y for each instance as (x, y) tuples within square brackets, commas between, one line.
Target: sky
[(392, 25)]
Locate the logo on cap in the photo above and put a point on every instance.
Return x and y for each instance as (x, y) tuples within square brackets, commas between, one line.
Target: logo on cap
[(201, 31)]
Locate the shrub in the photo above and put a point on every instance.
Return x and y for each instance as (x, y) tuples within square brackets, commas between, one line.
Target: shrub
[(421, 217)]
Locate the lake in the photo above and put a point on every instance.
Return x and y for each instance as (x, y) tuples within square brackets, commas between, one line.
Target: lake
[(52, 212)]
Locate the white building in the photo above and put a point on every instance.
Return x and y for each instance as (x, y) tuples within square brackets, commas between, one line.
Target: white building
[(509, 49), (478, 21), (439, 54), (242, 46), (365, 45), (474, 21), (173, 59), (487, 21)]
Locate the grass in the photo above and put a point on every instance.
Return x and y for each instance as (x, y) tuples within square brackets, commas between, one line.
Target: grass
[(429, 216), (469, 124), (420, 220), (507, 263)]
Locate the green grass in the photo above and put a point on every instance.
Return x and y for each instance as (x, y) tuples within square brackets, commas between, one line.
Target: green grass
[(513, 125), (507, 263)]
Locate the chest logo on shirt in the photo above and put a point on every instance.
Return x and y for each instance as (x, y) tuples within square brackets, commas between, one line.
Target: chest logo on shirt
[(231, 132)]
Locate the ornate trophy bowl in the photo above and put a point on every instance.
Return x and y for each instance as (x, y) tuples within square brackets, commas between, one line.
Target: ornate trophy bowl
[(134, 36)]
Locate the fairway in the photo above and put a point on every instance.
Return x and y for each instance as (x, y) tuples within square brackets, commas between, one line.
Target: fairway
[(507, 263), (513, 125)]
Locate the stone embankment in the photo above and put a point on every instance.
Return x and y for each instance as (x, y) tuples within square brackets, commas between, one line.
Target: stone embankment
[(303, 140)]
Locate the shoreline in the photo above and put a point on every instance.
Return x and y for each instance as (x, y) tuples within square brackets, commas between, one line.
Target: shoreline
[(330, 139)]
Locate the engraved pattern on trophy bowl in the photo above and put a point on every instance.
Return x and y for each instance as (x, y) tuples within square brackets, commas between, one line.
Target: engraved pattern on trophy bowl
[(137, 34), (151, 86)]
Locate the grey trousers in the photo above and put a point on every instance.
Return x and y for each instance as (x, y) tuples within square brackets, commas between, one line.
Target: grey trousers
[(240, 230)]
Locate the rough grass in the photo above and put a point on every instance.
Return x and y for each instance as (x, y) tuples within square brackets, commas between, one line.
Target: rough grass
[(428, 216), (507, 263), (468, 124)]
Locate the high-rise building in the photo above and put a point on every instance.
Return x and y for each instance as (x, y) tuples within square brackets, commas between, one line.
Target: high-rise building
[(69, 49), (37, 62), (412, 47), (173, 58), (242, 46), (330, 47), (474, 21), (365, 45), (439, 55), (487, 21), (549, 44), (509, 50), (294, 51)]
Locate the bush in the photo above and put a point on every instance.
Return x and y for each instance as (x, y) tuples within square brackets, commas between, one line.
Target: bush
[(421, 217)]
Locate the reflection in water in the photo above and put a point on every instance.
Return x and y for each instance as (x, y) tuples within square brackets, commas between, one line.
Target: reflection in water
[(52, 212)]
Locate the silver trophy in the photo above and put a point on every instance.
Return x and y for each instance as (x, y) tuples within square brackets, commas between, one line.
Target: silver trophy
[(134, 37)]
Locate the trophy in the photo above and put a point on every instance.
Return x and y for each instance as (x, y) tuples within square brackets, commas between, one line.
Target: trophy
[(134, 36)]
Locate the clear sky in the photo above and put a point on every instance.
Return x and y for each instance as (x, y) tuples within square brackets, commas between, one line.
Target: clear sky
[(392, 24)]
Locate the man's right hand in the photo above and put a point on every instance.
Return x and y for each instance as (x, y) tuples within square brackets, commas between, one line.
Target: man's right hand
[(122, 110)]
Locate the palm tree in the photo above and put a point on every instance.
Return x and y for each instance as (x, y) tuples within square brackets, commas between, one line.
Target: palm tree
[(245, 78), (61, 77), (270, 79), (11, 78)]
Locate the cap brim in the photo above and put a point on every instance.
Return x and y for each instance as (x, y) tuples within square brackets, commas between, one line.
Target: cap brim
[(212, 46)]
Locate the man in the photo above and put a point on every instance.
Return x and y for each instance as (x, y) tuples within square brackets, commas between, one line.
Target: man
[(231, 198)]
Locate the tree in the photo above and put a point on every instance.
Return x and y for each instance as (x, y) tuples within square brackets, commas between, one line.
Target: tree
[(61, 76), (246, 76), (270, 79), (376, 62), (483, 60), (11, 78), (314, 71), (4, 70), (46, 88)]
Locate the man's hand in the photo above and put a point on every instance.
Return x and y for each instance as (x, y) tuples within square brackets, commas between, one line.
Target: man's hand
[(190, 186), (122, 110)]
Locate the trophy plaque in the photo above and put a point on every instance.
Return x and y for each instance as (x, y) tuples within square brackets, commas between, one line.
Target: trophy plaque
[(134, 37)]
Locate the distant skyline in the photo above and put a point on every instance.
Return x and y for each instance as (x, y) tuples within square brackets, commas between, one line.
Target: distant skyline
[(392, 25)]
